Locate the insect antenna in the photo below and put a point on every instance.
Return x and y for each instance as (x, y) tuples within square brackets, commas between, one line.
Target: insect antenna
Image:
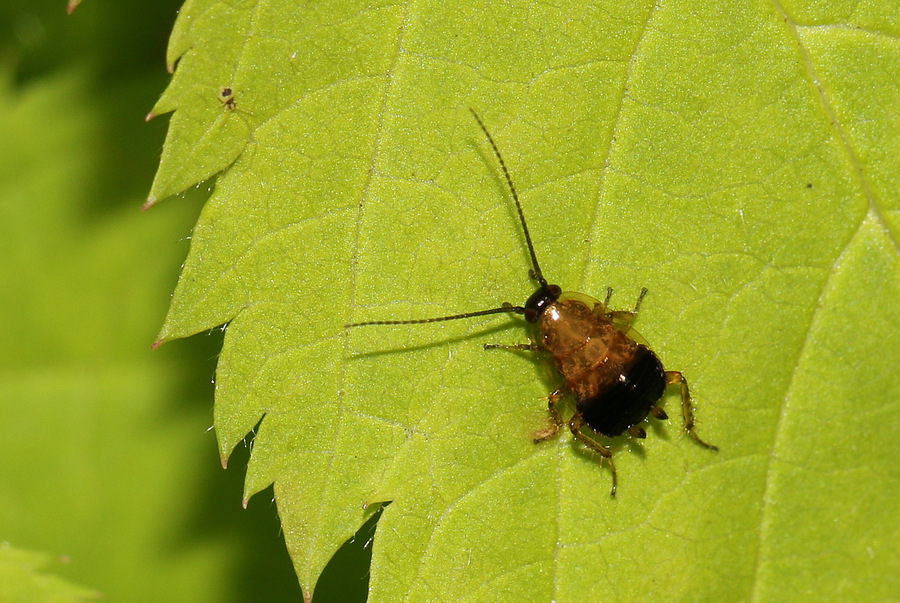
[(504, 309), (537, 274)]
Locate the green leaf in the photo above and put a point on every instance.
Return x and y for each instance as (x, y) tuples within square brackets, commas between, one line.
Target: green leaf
[(88, 469), (104, 440), (738, 162), (22, 578)]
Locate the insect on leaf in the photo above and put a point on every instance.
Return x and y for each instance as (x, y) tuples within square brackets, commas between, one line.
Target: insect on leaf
[(738, 161)]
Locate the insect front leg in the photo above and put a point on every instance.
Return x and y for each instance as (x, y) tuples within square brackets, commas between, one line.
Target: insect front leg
[(575, 426), (675, 377), (555, 418)]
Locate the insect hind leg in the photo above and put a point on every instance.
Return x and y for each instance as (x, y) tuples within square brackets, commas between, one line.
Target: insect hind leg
[(687, 410), (605, 452)]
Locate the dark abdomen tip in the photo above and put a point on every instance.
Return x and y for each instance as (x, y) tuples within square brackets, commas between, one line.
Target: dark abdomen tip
[(629, 401)]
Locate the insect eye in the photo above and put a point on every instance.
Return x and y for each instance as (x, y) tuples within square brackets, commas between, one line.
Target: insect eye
[(539, 301)]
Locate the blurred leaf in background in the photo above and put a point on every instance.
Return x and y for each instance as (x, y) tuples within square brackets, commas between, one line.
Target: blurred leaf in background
[(24, 577), (107, 459)]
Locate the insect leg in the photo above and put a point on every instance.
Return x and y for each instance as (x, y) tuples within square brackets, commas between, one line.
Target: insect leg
[(552, 400), (673, 377), (637, 305), (575, 426), (555, 417), (623, 319)]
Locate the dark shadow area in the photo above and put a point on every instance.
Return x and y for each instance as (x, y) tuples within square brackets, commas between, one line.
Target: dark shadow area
[(119, 50), (346, 577), (262, 569), (127, 147), (198, 355), (116, 39)]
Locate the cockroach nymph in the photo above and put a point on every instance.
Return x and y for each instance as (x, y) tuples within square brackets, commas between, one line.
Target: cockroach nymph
[(616, 382)]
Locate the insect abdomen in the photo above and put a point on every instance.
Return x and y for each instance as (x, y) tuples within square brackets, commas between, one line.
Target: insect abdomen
[(632, 395)]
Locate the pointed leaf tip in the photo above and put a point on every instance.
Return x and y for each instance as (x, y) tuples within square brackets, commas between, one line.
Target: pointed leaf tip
[(149, 116), (73, 4), (150, 202)]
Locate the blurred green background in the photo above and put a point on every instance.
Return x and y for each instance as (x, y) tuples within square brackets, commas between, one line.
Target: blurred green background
[(109, 464)]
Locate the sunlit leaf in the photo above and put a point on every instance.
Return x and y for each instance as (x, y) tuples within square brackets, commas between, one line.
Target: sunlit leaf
[(737, 160)]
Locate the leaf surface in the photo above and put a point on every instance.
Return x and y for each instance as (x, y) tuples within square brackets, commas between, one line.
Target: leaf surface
[(738, 162), (24, 578)]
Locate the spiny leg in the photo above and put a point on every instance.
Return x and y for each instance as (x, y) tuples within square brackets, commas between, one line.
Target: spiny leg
[(575, 426), (673, 377), (555, 418)]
